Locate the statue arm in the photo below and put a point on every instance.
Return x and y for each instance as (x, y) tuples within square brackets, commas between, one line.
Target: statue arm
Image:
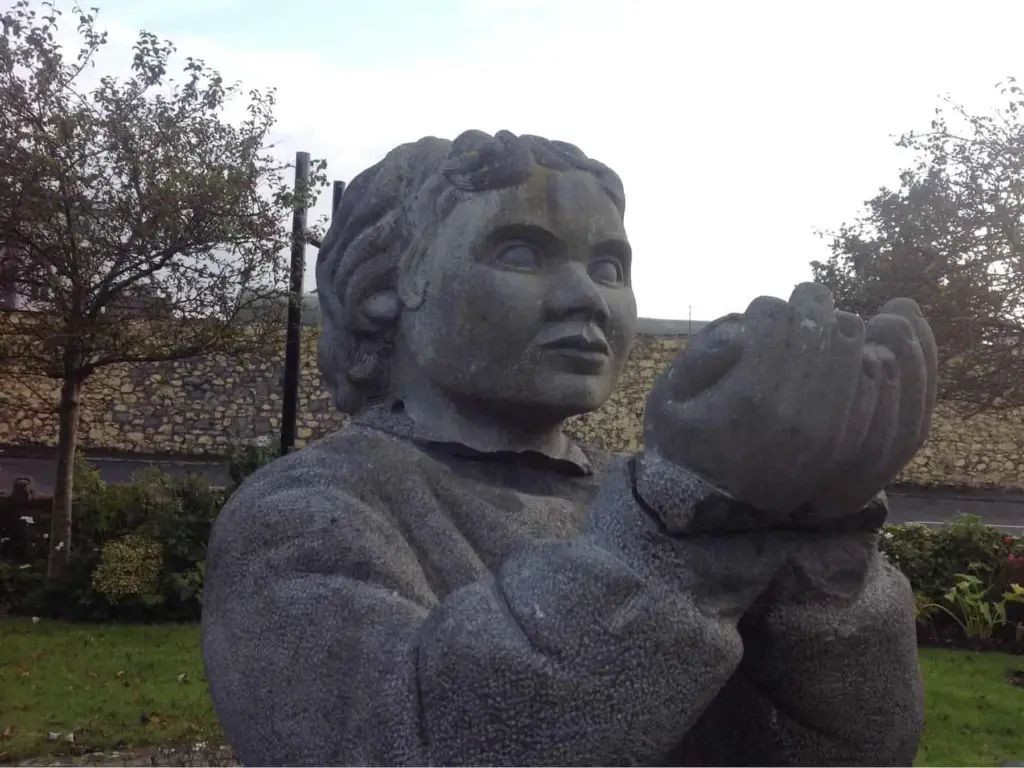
[(332, 648), (830, 673)]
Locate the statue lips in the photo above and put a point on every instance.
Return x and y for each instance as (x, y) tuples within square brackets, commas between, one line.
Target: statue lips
[(585, 346)]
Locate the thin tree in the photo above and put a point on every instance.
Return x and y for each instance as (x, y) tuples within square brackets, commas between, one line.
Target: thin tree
[(950, 236), (138, 222)]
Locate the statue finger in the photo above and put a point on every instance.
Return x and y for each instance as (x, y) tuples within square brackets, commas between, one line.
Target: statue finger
[(766, 324), (849, 334), (873, 465), (909, 309), (812, 318), (670, 419), (853, 459), (843, 385), (861, 413), (813, 305), (896, 333)]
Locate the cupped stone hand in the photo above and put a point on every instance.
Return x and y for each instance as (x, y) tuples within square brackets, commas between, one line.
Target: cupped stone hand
[(796, 409)]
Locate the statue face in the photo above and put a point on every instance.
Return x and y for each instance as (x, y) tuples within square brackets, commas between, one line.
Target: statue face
[(529, 306)]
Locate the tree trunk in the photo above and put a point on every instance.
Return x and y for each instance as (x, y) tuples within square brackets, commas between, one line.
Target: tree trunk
[(59, 562)]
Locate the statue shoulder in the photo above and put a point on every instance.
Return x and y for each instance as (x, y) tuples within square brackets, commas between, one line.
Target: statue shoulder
[(353, 464)]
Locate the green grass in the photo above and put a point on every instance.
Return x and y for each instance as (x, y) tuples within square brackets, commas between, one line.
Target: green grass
[(98, 681), (972, 714)]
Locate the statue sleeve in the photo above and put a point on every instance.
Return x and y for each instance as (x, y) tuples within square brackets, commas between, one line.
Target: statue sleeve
[(830, 673), (332, 649)]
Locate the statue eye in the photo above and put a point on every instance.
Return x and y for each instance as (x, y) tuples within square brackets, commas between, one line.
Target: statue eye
[(521, 256), (607, 271)]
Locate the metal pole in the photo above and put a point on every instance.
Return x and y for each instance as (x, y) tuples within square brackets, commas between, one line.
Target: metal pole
[(293, 349), (339, 190)]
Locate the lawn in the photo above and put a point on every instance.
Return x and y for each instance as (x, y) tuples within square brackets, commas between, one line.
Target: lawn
[(118, 687), (973, 715), (114, 687)]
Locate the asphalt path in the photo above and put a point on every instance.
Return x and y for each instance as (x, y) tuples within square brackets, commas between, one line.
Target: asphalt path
[(931, 509), (999, 511), (43, 470)]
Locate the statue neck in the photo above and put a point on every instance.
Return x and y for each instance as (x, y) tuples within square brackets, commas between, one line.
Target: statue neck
[(481, 426)]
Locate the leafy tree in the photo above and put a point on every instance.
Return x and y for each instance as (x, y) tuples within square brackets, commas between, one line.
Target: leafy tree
[(951, 237), (139, 220)]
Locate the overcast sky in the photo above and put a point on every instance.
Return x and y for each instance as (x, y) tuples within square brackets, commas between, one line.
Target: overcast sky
[(738, 127)]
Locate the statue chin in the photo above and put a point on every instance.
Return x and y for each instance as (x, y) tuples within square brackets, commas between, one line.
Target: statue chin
[(562, 396)]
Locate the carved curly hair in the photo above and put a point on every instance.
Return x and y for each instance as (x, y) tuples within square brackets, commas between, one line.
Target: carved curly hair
[(386, 219)]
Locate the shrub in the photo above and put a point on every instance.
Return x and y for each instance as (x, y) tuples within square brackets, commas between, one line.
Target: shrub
[(17, 582), (978, 616), (247, 458), (138, 551), (932, 558), (924, 608), (180, 512), (129, 567)]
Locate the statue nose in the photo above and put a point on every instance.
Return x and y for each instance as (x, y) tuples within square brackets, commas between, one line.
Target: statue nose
[(574, 294)]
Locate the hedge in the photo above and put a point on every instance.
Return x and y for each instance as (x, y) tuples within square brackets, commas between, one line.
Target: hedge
[(138, 549)]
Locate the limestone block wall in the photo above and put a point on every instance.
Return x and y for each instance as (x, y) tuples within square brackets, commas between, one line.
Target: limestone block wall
[(194, 407), (203, 407)]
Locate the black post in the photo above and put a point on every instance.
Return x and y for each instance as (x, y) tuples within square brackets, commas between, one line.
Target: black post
[(339, 190), (293, 348)]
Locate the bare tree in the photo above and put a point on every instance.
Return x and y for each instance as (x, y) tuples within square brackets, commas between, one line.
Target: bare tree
[(952, 237), (137, 221)]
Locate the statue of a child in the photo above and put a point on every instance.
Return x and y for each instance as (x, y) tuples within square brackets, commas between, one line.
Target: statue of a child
[(450, 580)]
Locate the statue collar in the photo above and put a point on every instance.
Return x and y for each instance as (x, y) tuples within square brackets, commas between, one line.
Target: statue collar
[(570, 459)]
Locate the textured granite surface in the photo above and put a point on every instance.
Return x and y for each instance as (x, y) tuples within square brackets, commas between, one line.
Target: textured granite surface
[(451, 580), (444, 609)]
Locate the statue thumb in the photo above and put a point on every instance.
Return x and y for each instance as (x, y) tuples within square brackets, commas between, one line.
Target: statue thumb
[(705, 361)]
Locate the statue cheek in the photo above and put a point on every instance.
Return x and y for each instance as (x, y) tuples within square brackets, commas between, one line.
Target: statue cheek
[(622, 319)]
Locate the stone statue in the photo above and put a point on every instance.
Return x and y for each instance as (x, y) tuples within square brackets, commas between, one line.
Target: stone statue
[(450, 580)]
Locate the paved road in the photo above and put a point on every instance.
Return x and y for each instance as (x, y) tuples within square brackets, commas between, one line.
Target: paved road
[(1004, 514), (43, 470)]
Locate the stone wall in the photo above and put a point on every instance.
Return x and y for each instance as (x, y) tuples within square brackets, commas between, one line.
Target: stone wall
[(204, 407), (194, 407)]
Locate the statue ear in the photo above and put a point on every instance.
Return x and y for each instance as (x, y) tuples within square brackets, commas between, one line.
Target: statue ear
[(412, 275), (379, 310)]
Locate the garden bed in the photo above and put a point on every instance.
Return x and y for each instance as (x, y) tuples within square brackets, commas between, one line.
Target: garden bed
[(946, 634)]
